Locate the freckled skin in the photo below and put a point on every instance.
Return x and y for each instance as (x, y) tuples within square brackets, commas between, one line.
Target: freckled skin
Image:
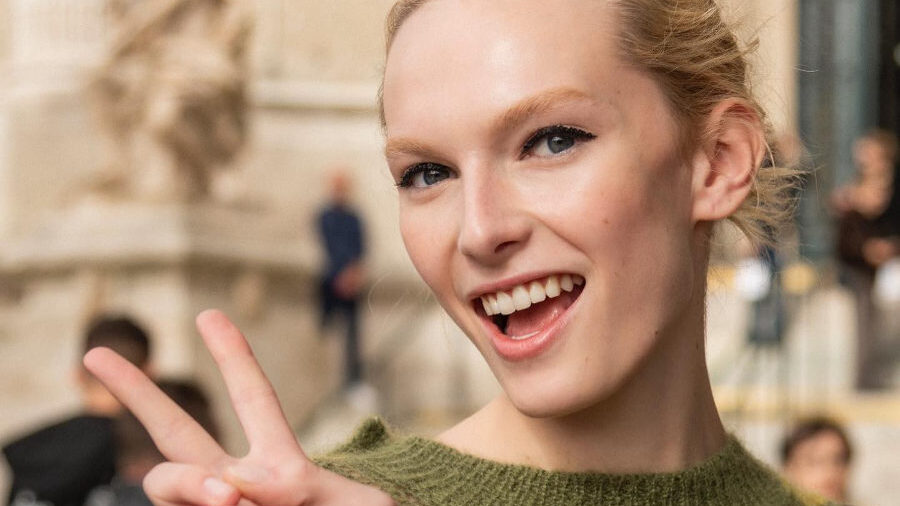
[(613, 240), (615, 209)]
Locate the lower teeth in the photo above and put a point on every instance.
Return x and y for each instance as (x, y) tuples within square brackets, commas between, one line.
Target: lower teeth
[(522, 338), (501, 322)]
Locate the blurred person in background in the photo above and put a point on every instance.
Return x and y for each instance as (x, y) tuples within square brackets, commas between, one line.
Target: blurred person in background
[(816, 456), (868, 237), (758, 276), (61, 463), (343, 241), (137, 455), (192, 398)]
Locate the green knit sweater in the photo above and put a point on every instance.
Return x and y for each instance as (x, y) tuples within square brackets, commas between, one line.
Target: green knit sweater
[(420, 472)]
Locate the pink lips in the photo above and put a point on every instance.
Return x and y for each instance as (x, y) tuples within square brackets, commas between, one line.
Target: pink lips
[(519, 350)]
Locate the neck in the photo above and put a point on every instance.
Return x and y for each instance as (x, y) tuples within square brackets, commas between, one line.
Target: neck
[(662, 419)]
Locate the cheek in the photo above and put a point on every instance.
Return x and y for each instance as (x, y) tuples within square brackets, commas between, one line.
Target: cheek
[(635, 227), (429, 241), (626, 185), (635, 212)]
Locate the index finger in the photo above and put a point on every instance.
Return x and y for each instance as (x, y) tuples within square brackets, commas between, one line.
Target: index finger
[(178, 436)]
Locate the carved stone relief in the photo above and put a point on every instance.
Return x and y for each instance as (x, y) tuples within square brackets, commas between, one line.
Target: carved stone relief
[(171, 97)]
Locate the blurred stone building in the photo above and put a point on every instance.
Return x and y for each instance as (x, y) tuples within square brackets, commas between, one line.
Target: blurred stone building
[(248, 246)]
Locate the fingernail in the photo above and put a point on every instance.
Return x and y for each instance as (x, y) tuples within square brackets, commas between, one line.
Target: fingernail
[(249, 474), (217, 488)]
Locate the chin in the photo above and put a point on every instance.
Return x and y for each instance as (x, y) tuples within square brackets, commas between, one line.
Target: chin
[(555, 399)]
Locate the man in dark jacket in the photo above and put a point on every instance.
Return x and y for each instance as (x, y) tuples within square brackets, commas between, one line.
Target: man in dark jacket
[(341, 232), (59, 464)]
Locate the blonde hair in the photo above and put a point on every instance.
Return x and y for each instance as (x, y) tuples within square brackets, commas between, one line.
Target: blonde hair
[(694, 56)]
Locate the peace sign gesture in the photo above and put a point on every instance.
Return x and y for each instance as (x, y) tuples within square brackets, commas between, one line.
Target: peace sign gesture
[(274, 472)]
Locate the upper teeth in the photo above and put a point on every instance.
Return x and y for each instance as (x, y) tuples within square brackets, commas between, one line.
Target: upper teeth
[(524, 295)]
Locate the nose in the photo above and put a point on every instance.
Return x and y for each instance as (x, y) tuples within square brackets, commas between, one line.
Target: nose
[(495, 223)]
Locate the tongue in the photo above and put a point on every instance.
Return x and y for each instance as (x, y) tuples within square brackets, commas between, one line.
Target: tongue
[(538, 316)]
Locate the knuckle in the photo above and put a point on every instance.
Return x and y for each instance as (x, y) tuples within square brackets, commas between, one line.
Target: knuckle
[(295, 495), (300, 471), (303, 498), (304, 477)]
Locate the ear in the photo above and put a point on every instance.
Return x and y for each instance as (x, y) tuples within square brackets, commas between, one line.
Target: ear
[(725, 164)]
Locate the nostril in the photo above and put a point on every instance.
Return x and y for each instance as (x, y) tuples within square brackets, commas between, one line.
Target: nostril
[(503, 247)]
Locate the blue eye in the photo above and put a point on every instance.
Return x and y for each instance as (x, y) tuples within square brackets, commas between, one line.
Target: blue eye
[(423, 175), (553, 140)]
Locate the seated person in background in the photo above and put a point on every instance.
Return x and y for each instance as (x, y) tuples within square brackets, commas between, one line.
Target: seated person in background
[(61, 463), (194, 401), (816, 456), (136, 454)]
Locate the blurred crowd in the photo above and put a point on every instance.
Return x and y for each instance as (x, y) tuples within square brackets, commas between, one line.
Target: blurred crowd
[(99, 456)]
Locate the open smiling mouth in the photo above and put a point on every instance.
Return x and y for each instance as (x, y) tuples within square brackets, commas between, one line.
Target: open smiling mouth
[(528, 308)]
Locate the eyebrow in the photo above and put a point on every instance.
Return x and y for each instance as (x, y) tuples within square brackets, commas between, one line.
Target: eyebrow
[(404, 146), (516, 114), (535, 104)]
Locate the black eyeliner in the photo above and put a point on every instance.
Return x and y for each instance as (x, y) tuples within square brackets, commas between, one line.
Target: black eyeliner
[(406, 177), (556, 129), (412, 171)]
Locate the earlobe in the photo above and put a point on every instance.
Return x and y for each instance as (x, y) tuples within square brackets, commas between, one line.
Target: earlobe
[(725, 164)]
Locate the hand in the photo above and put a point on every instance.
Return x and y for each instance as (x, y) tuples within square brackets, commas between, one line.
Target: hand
[(842, 200), (274, 472), (878, 250), (350, 281)]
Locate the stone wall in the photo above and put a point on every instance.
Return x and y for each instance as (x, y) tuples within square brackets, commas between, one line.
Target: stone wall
[(337, 41), (772, 24)]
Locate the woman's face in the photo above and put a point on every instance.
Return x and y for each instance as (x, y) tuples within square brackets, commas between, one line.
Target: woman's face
[(529, 156)]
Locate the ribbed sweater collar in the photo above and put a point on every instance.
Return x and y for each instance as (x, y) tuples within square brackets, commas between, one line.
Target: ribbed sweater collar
[(420, 471)]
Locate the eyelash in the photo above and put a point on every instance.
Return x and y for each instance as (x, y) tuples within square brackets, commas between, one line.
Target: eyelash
[(575, 133), (406, 179)]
